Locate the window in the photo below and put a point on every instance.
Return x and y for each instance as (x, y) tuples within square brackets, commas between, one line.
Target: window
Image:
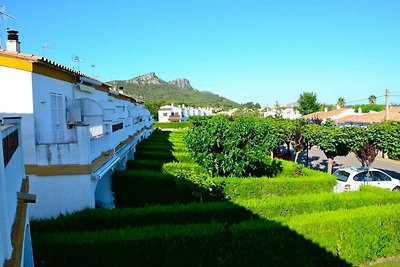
[(165, 114), (57, 116), (342, 175), (380, 176), (10, 145), (361, 177)]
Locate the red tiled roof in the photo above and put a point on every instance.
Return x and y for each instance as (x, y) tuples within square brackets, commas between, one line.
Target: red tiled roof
[(371, 117), (48, 62), (324, 115)]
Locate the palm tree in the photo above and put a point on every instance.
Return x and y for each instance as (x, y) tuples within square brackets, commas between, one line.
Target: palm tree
[(372, 100), (341, 102)]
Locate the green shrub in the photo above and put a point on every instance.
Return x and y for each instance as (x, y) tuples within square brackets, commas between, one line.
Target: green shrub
[(163, 245), (361, 235), (239, 148), (284, 207), (154, 155), (182, 156), (136, 188), (239, 188), (172, 125), (144, 165), (175, 168), (103, 219)]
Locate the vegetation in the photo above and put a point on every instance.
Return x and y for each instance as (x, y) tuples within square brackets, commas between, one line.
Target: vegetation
[(368, 108), (172, 125), (293, 219), (156, 95), (386, 137), (335, 141), (308, 103), (237, 148), (341, 102)]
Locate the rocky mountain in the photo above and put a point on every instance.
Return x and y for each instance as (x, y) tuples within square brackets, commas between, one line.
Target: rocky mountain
[(149, 88), (181, 82), (148, 78)]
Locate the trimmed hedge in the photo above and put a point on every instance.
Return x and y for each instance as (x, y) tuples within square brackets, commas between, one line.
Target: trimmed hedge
[(176, 168), (248, 188), (172, 125), (360, 235), (258, 243), (182, 156), (136, 188), (154, 155), (152, 165), (274, 207), (103, 219), (164, 245)]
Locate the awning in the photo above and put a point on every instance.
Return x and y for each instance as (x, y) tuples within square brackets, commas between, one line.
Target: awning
[(100, 172)]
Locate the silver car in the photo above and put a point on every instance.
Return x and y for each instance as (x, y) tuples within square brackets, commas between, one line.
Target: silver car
[(350, 179)]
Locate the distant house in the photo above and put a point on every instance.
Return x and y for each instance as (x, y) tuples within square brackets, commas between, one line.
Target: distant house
[(75, 130), (286, 113), (334, 114), (171, 113), (15, 237), (365, 119)]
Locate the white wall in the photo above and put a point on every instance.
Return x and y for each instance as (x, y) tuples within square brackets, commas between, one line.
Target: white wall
[(16, 91), (10, 183), (61, 194)]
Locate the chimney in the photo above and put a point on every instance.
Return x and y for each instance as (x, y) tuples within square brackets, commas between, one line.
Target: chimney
[(326, 109), (359, 110), (337, 106), (12, 44)]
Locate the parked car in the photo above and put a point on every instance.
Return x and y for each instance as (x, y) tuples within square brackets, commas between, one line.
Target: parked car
[(350, 179)]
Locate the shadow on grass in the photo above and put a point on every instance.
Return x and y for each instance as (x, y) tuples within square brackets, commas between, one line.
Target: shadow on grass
[(216, 233)]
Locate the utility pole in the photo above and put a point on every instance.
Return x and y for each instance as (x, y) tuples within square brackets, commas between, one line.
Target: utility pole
[(387, 105)]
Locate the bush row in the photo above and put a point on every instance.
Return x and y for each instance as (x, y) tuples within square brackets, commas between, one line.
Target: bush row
[(152, 165), (136, 188), (154, 155), (239, 188), (223, 212), (286, 207), (172, 125), (362, 235), (103, 219)]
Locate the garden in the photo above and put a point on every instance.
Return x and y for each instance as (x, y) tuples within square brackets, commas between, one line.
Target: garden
[(211, 195)]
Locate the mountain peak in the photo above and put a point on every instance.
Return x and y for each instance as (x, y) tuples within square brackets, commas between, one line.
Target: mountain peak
[(181, 82), (148, 78)]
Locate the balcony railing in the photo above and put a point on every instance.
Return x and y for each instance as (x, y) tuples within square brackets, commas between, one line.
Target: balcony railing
[(56, 136)]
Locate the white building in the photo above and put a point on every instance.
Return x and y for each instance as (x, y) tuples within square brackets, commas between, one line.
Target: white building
[(75, 129), (171, 113), (15, 237)]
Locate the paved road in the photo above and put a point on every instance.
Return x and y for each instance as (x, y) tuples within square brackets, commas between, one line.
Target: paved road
[(317, 160)]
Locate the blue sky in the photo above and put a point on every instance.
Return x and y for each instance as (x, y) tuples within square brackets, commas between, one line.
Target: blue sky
[(253, 50)]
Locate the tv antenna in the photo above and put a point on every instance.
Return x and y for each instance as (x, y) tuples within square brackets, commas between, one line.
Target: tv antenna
[(76, 60), (46, 47), (4, 16)]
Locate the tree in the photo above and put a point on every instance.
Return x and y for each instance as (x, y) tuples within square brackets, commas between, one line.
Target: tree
[(297, 138), (367, 154), (372, 100), (386, 137), (341, 102), (335, 141), (308, 103)]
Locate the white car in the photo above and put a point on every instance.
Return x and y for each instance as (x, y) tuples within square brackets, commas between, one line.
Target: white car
[(350, 179)]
